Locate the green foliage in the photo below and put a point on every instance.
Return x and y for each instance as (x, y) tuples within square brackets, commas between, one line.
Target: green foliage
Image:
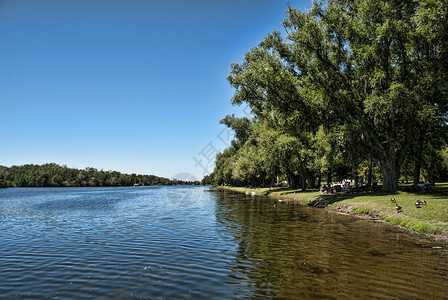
[(53, 175), (241, 126), (270, 152), (350, 82), (4, 176)]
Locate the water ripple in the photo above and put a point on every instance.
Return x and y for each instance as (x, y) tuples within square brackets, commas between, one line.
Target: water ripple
[(197, 243)]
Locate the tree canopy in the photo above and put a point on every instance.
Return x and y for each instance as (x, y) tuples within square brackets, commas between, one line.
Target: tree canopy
[(350, 81), (53, 175)]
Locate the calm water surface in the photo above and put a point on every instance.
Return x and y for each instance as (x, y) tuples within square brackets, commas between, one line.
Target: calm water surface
[(199, 243)]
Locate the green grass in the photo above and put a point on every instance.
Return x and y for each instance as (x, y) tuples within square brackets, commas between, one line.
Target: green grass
[(442, 185), (361, 210), (296, 193), (415, 225), (278, 191), (430, 218), (435, 210)]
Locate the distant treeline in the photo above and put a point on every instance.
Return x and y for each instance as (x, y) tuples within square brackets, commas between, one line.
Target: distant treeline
[(53, 175)]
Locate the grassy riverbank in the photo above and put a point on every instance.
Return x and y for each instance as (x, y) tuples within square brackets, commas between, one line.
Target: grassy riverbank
[(431, 218)]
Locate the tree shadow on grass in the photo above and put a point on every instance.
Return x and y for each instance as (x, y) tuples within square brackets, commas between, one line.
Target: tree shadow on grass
[(329, 199)]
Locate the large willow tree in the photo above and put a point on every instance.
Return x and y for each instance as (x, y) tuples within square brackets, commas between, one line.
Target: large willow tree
[(376, 70)]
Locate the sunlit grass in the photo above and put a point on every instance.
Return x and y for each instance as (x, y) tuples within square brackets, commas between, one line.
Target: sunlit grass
[(279, 191), (412, 224), (429, 218), (296, 193), (442, 185), (435, 210)]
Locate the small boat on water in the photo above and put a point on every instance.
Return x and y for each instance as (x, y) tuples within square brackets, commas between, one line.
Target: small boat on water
[(136, 185)]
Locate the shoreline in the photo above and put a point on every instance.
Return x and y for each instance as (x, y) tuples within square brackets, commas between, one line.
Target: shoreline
[(345, 207)]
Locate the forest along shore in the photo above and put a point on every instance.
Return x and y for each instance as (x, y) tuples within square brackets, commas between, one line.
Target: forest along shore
[(420, 213)]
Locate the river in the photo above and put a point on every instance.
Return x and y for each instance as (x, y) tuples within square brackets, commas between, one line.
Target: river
[(200, 243)]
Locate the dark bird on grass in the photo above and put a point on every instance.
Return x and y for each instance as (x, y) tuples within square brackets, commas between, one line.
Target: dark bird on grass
[(421, 201), (393, 200), (417, 204), (398, 208)]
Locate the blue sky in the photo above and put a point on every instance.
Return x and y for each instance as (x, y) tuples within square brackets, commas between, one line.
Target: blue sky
[(133, 86)]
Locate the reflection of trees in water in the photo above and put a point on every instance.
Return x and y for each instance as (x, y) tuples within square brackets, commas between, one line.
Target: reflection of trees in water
[(291, 250), (273, 243)]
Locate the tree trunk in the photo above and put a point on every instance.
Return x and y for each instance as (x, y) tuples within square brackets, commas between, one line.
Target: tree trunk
[(390, 171), (302, 182), (417, 168), (292, 180), (418, 160), (369, 176), (311, 180)]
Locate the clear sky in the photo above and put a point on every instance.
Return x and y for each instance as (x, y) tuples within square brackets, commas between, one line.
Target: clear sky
[(136, 86)]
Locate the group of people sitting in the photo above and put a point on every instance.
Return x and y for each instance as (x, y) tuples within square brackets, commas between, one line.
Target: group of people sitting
[(331, 187)]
